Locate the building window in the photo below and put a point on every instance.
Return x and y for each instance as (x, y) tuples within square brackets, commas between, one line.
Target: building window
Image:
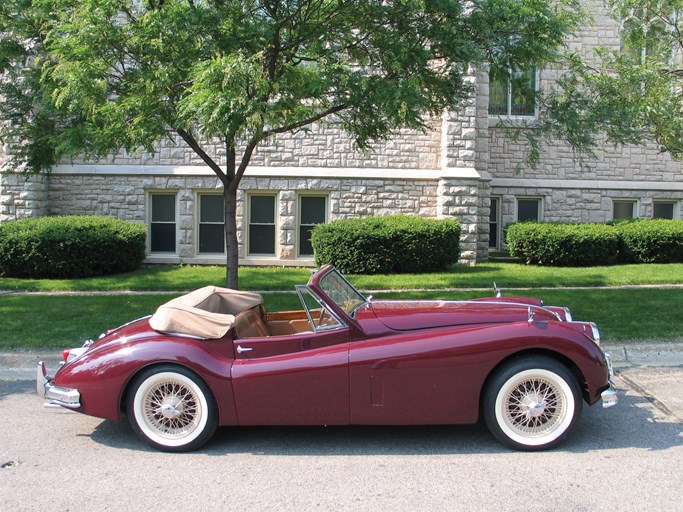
[(646, 34), (528, 210), (312, 211), (512, 94), (494, 223), (623, 209), (261, 230), (162, 225), (211, 232), (664, 210)]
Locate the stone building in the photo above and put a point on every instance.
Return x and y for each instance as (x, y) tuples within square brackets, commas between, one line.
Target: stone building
[(465, 167)]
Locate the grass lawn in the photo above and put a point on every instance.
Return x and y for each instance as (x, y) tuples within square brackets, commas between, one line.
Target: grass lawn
[(506, 275), (40, 321)]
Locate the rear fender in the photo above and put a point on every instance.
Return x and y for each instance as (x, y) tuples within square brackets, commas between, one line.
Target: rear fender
[(102, 375)]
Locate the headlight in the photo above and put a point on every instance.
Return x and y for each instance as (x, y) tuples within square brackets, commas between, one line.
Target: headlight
[(595, 333)]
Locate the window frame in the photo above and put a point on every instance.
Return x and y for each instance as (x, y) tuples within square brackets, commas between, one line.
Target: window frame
[(541, 208), (495, 234), (150, 221), (198, 223), (508, 100), (248, 224), (634, 205), (675, 213), (299, 225)]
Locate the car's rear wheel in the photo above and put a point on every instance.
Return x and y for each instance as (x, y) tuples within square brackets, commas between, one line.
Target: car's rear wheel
[(172, 409), (532, 403)]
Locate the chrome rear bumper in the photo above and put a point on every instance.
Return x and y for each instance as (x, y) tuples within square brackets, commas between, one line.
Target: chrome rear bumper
[(55, 395)]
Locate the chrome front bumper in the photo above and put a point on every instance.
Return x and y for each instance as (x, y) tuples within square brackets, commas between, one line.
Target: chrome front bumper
[(55, 395), (609, 396)]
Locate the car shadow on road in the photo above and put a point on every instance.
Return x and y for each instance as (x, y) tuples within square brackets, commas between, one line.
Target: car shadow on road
[(13, 387), (634, 423)]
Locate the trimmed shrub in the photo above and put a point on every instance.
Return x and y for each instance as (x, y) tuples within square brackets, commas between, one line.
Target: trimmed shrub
[(391, 244), (74, 246), (562, 244), (651, 241)]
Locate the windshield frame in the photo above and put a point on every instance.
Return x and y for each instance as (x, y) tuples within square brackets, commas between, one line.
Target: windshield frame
[(339, 291)]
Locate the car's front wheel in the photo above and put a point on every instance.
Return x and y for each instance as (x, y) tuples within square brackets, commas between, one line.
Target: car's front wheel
[(172, 409), (532, 403)]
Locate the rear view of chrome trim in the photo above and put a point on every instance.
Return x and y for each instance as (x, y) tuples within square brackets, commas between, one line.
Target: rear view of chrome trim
[(55, 395)]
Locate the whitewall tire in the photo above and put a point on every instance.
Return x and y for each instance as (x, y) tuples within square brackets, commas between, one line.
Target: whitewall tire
[(532, 403), (172, 409)]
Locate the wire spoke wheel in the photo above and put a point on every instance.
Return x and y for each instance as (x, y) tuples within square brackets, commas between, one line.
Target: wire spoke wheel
[(532, 404), (172, 410)]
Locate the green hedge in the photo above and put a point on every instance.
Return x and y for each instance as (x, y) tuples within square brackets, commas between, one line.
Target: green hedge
[(65, 247), (563, 245), (651, 241), (578, 245), (391, 244)]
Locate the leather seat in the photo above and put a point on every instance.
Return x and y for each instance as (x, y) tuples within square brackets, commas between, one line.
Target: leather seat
[(249, 324)]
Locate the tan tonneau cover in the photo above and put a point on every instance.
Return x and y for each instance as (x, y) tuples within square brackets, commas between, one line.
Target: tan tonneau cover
[(208, 312)]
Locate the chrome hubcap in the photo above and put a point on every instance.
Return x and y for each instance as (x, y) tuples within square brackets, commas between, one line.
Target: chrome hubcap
[(534, 406), (171, 409)]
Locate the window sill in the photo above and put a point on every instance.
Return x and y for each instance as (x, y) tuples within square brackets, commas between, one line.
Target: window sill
[(512, 121)]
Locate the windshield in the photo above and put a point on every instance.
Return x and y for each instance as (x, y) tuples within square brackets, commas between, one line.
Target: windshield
[(341, 292)]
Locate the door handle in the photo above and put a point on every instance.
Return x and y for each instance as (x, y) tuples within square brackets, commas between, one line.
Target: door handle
[(241, 349)]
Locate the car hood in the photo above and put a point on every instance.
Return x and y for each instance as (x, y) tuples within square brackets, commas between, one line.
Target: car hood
[(413, 315)]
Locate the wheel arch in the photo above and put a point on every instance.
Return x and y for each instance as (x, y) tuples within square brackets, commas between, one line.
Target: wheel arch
[(125, 393), (532, 352)]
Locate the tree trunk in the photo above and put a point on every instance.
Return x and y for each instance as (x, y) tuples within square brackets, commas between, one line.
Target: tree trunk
[(230, 184), (232, 262)]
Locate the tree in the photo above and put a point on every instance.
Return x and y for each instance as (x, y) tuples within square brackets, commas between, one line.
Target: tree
[(633, 95), (110, 74)]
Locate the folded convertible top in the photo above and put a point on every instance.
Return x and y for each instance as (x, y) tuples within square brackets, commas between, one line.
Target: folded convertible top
[(208, 312)]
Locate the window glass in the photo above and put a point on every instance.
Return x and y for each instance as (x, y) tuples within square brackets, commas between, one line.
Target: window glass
[(312, 211), (493, 223), (163, 208), (528, 209), (663, 210), (162, 229), (522, 96), (211, 208), (262, 210), (512, 94), (623, 210), (211, 227), (261, 237)]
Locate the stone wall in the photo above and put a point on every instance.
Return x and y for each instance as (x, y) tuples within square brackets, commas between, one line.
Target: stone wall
[(323, 145), (126, 197), (575, 191), (22, 195)]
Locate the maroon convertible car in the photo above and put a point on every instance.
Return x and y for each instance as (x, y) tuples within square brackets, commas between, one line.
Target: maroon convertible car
[(216, 357)]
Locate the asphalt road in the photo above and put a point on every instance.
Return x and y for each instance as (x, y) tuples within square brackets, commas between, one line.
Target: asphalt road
[(626, 458)]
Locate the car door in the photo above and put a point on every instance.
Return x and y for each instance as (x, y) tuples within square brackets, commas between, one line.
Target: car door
[(407, 379), (295, 379)]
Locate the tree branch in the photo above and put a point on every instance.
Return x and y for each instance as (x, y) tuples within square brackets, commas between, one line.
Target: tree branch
[(192, 142), (304, 122)]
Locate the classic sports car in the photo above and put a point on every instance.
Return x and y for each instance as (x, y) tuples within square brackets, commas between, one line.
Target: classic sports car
[(215, 357)]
